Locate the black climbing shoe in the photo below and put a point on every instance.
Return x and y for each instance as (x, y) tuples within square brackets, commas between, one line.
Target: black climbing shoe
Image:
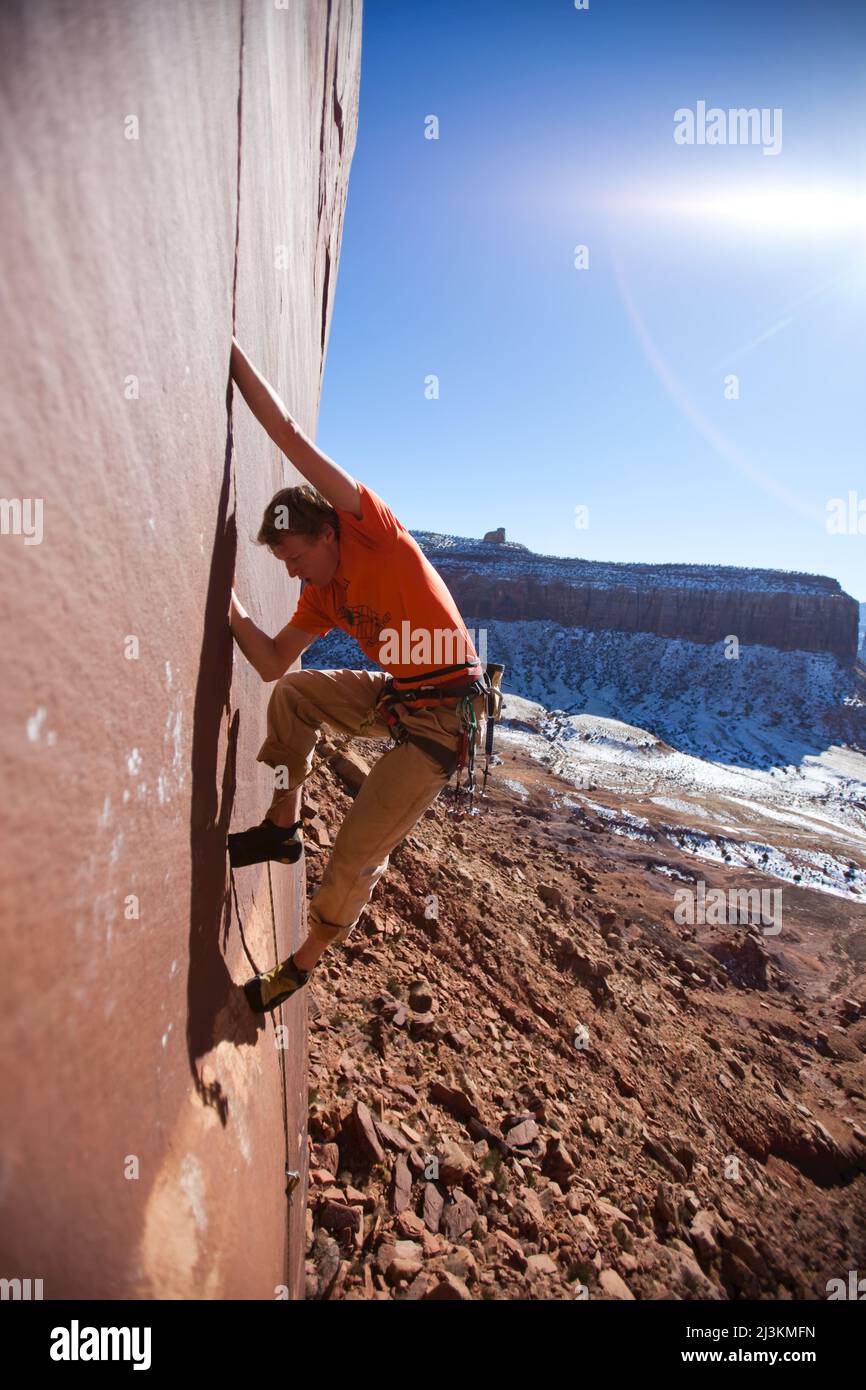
[(266, 992), (283, 843)]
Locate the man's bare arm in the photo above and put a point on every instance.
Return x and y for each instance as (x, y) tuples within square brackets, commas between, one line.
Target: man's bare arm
[(335, 485), (270, 656)]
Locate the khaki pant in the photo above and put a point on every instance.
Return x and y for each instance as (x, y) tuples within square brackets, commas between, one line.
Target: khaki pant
[(397, 792)]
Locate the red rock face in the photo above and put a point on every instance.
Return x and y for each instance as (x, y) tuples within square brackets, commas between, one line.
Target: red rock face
[(171, 173)]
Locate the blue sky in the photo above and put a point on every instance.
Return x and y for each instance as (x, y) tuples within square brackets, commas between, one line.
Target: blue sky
[(604, 387)]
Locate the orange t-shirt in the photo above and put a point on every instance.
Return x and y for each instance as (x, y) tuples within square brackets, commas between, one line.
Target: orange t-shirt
[(388, 596)]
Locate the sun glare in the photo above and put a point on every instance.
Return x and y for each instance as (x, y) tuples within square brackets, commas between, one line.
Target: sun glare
[(816, 210)]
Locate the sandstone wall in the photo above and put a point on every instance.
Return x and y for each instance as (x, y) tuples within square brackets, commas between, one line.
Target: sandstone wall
[(147, 1119)]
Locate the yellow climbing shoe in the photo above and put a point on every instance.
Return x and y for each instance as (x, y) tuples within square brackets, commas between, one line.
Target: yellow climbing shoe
[(268, 991)]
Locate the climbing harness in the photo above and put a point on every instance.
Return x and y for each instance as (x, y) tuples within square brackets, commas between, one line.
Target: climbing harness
[(451, 761)]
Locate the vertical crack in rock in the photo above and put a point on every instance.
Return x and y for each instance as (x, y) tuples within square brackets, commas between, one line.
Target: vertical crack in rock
[(209, 985), (326, 284), (287, 1247), (238, 194), (338, 109), (228, 469), (324, 109), (335, 95), (332, 63), (323, 194)]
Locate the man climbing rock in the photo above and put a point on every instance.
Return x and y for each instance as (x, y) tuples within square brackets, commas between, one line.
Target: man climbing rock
[(364, 573)]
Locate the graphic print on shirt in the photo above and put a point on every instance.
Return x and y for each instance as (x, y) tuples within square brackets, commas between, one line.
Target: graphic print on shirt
[(365, 622)]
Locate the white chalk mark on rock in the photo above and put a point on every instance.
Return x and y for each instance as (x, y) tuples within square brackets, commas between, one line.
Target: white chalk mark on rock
[(34, 727)]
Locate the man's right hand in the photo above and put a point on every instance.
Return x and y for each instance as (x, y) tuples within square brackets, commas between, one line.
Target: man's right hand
[(271, 656)]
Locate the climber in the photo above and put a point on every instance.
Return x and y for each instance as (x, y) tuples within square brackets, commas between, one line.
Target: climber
[(363, 572)]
